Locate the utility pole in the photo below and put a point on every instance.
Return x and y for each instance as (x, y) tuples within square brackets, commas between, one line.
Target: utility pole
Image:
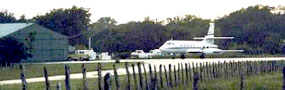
[(89, 45)]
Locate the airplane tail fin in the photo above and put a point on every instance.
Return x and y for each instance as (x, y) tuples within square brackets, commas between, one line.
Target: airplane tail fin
[(211, 30), (210, 38)]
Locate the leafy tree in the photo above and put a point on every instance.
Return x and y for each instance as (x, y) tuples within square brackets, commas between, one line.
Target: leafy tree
[(186, 28), (22, 19), (71, 22), (256, 28), (7, 17), (104, 23), (128, 37), (12, 51)]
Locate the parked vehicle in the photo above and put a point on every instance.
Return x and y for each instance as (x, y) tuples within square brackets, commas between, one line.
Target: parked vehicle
[(104, 56), (140, 54), (82, 55), (155, 52)]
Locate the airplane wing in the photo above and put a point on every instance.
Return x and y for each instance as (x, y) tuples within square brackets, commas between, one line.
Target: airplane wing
[(232, 51), (200, 38), (194, 51), (226, 51), (212, 51)]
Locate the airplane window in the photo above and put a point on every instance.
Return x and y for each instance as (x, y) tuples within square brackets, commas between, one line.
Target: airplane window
[(169, 43)]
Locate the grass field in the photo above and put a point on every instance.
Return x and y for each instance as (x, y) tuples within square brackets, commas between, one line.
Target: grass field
[(271, 81), (36, 70)]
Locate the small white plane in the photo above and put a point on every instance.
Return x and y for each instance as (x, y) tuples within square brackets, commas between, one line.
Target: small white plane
[(206, 46)]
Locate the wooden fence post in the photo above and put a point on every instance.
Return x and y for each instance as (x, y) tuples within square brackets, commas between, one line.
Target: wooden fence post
[(241, 81), (195, 82), (213, 66), (155, 79), (46, 79), (218, 69), (107, 81), (160, 76), (85, 82), (178, 74), (190, 72), (201, 71), (135, 77), (170, 76), (187, 75), (99, 77), (166, 77), (225, 72), (197, 69), (58, 86), (182, 80), (116, 77), (145, 75), (175, 76), (128, 76), (152, 81), (193, 67), (67, 78), (140, 76), (23, 78), (207, 70)]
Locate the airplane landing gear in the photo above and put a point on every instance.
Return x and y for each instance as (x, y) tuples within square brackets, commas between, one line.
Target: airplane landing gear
[(173, 55), (182, 56), (202, 56)]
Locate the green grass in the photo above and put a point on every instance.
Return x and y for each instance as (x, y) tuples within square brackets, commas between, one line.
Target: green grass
[(76, 84), (36, 70), (271, 81)]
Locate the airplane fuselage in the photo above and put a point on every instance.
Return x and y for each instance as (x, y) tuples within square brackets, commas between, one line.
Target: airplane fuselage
[(205, 46), (183, 46)]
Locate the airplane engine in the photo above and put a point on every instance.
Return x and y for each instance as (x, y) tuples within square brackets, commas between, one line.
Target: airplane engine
[(212, 51)]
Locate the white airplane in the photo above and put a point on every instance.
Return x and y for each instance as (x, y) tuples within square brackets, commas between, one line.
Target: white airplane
[(205, 46)]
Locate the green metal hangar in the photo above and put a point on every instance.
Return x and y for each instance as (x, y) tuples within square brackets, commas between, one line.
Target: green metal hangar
[(47, 45)]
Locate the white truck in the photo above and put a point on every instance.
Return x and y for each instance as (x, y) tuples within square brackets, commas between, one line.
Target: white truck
[(82, 55), (155, 52), (140, 54), (105, 56)]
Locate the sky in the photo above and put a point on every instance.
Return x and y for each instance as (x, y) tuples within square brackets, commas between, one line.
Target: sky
[(124, 11)]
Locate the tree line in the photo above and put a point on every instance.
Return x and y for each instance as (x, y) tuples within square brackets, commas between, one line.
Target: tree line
[(257, 29)]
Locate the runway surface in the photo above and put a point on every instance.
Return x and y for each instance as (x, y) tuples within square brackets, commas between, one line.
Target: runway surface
[(122, 71)]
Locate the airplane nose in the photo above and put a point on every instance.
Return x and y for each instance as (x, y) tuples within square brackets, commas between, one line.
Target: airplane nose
[(161, 48)]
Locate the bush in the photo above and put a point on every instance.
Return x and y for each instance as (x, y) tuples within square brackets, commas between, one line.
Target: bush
[(12, 51)]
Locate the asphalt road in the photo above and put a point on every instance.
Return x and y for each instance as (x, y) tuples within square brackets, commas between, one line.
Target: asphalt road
[(122, 71)]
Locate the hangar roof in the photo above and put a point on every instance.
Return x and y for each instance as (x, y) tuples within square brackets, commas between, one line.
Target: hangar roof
[(8, 28)]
